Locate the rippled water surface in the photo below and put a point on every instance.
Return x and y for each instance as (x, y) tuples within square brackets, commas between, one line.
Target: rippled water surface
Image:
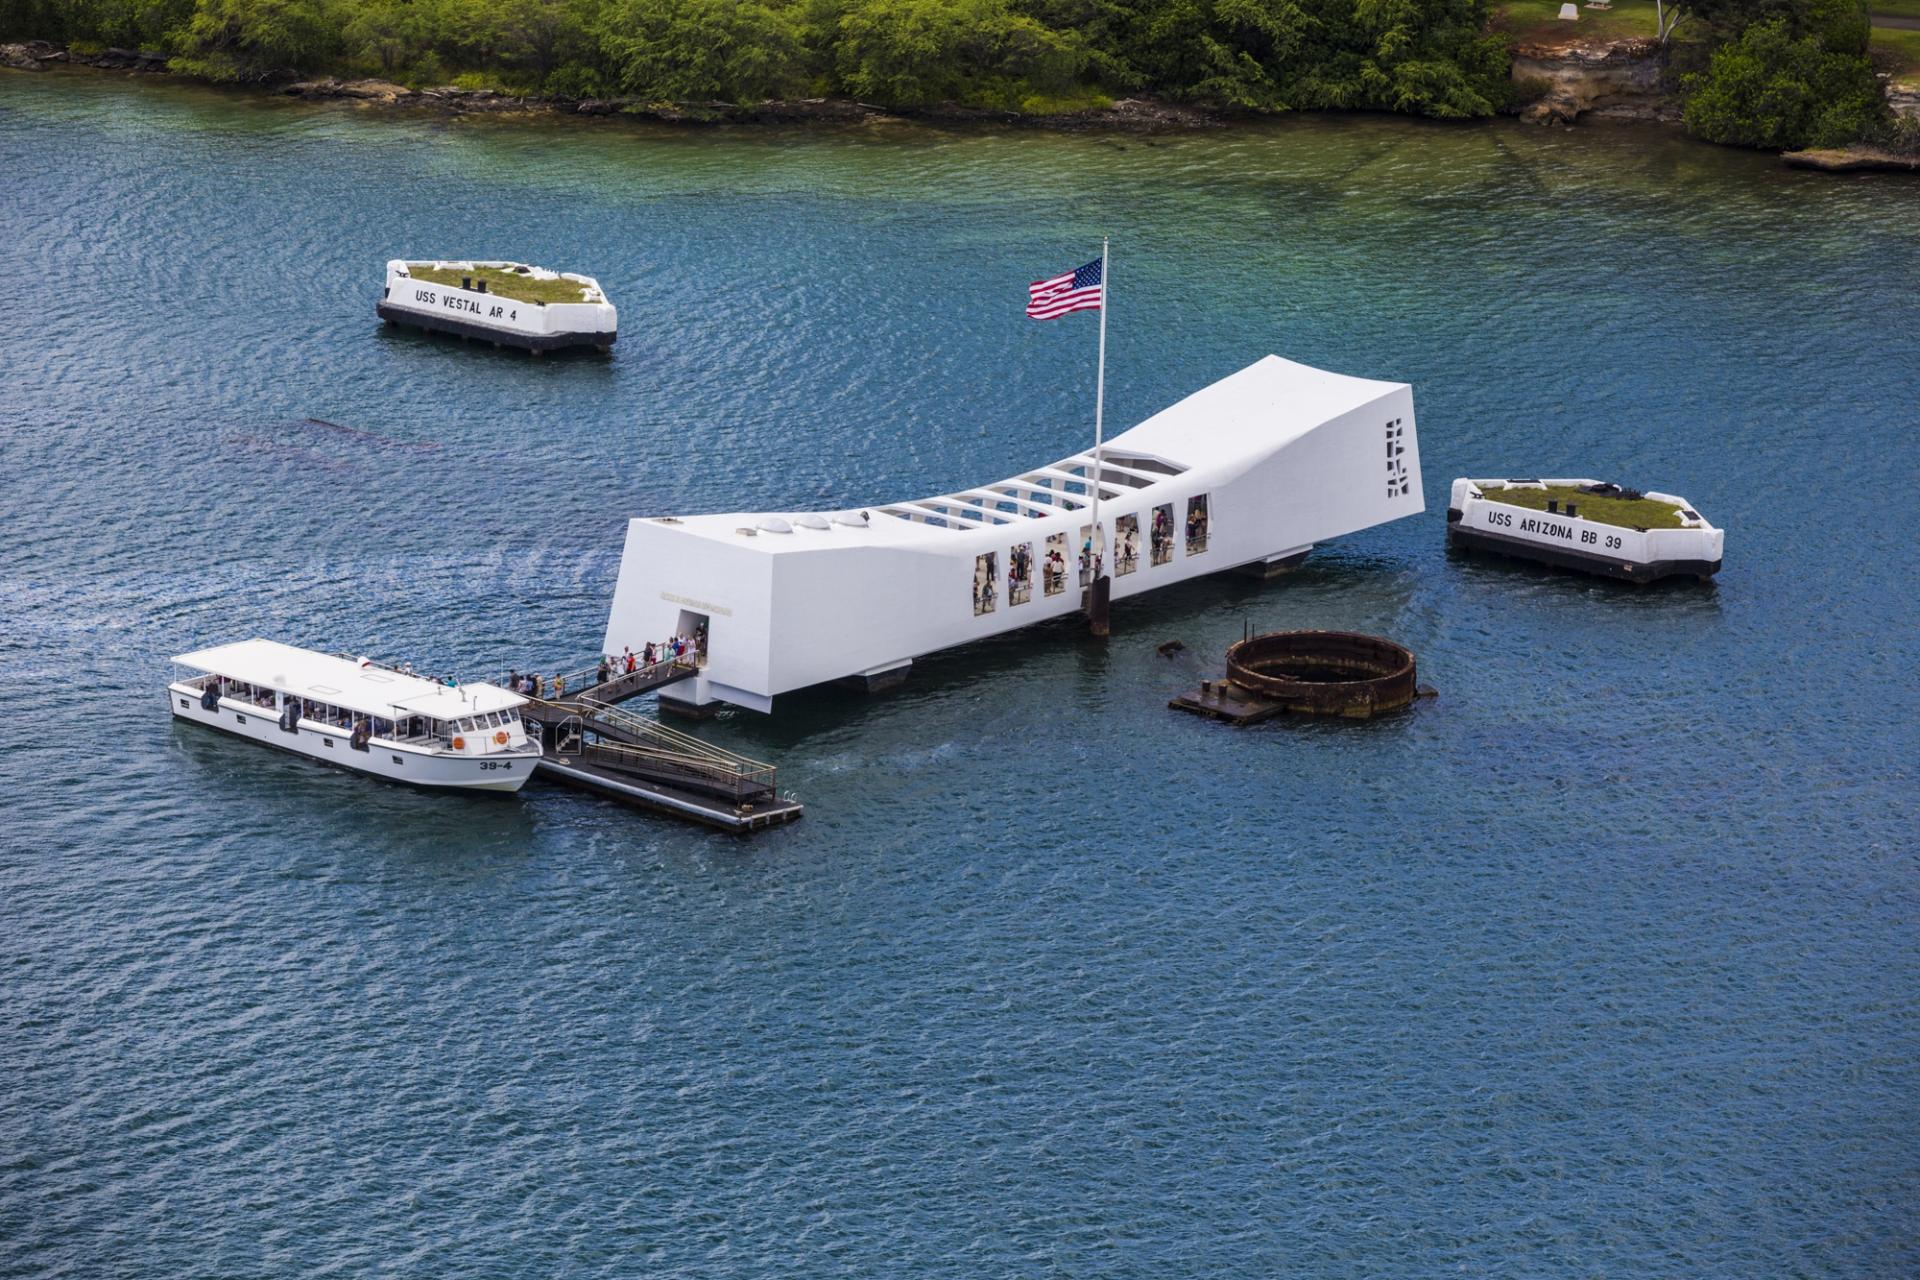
[(1602, 964)]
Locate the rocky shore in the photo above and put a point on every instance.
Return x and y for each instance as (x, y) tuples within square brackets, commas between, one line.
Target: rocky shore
[(1604, 79), (1128, 113), (1569, 80), (1138, 114)]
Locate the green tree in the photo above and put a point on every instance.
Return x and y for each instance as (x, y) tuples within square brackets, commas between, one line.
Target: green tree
[(680, 50), (387, 34), (921, 52), (1777, 90), (245, 39)]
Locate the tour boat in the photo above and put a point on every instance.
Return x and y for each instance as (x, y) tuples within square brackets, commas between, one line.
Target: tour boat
[(1248, 474), (359, 714), (509, 303), (1588, 525)]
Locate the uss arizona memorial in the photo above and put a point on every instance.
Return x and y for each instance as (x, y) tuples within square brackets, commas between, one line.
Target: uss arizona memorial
[(1250, 471)]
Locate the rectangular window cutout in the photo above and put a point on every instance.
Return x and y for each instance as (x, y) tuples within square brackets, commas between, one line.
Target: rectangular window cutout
[(1055, 569), (1197, 523), (986, 572), (1160, 536), (1126, 545), (1019, 573), (1091, 549), (237, 716)]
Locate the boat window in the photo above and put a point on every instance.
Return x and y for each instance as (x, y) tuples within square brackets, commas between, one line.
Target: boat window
[(1126, 545), (1160, 536)]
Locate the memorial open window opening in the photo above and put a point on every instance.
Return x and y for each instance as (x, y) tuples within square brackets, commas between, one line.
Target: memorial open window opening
[(1160, 535), (1198, 521), (1019, 573), (1054, 571), (1126, 545), (986, 569)]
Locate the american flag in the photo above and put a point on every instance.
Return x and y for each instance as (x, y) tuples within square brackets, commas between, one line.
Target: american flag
[(1077, 290)]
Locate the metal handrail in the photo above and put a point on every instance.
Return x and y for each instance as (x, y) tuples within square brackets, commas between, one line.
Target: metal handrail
[(683, 744), (588, 677)]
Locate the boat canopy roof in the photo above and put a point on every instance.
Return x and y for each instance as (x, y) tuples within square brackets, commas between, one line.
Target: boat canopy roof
[(357, 685)]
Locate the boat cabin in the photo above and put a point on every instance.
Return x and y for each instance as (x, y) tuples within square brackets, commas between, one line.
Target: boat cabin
[(368, 703)]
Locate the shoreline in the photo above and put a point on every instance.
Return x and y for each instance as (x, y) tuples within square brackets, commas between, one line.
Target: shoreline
[(1609, 81)]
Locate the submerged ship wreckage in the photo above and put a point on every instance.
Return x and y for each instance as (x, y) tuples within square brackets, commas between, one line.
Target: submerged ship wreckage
[(1248, 473)]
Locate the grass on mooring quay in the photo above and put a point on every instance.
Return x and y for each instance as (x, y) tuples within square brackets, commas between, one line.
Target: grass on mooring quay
[(508, 284), (1628, 513)]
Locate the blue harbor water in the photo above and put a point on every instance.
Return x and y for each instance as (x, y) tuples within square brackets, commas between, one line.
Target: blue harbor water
[(1604, 963)]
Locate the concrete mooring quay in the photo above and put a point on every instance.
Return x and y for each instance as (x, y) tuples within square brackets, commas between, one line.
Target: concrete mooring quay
[(587, 741)]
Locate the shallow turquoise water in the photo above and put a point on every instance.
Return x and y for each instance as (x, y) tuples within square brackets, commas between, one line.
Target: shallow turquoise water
[(1603, 964)]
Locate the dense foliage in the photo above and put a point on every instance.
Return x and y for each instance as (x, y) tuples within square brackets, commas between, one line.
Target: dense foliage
[(1791, 74), (1428, 57)]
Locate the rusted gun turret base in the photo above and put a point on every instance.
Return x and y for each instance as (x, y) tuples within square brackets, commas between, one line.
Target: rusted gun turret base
[(1326, 673)]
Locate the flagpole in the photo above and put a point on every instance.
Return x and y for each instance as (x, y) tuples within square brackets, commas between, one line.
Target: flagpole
[(1096, 598)]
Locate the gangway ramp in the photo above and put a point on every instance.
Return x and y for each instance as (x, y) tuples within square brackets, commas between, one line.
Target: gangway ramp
[(588, 742)]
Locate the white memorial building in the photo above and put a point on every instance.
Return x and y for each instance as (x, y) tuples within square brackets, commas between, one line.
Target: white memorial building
[(1251, 471)]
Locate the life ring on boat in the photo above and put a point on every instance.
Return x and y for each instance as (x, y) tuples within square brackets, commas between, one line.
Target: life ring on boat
[(459, 744), (500, 737)]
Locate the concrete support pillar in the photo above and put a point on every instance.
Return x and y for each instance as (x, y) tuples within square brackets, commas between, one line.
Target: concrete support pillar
[(1098, 599), (1267, 568), (880, 679), (678, 700)]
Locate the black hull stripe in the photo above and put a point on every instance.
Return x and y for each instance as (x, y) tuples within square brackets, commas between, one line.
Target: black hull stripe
[(505, 337), (1561, 557)]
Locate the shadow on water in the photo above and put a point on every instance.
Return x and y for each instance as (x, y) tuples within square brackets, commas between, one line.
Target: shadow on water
[(1058, 657), (406, 338), (313, 788), (1686, 594)]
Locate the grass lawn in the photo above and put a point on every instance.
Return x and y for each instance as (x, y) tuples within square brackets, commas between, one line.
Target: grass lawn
[(1894, 8), (1898, 52), (1540, 20), (1638, 513), (505, 283)]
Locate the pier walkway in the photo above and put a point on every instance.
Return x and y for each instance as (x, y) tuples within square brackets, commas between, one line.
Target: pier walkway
[(587, 741)]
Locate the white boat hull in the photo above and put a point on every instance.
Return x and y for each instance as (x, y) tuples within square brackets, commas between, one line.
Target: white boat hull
[(397, 762)]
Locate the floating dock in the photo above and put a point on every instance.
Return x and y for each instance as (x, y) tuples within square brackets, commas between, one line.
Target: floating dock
[(589, 742)]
